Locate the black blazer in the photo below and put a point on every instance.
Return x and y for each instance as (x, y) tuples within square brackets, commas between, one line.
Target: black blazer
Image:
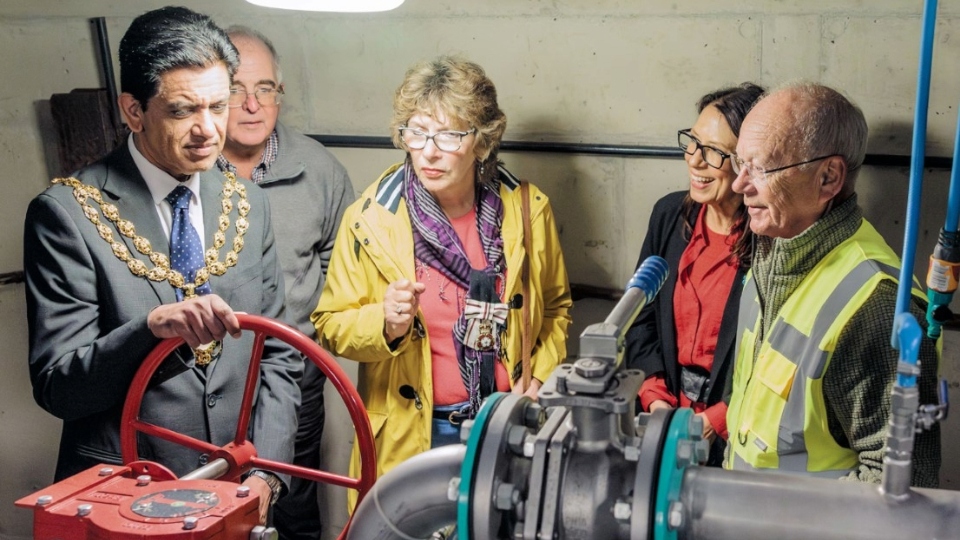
[(652, 340)]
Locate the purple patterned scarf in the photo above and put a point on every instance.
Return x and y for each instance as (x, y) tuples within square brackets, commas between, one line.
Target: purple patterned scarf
[(437, 245)]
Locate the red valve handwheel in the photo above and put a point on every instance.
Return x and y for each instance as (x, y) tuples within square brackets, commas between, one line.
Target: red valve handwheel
[(240, 453)]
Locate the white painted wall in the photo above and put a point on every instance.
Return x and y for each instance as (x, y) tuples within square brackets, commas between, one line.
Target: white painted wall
[(603, 71)]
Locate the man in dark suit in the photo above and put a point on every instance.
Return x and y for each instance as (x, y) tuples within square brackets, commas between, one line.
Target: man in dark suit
[(102, 292)]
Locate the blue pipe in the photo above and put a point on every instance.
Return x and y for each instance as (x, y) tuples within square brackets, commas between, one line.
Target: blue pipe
[(953, 200), (910, 335), (945, 261), (917, 153)]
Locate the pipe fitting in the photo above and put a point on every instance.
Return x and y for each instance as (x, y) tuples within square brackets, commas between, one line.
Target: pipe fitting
[(264, 533), (507, 496), (516, 436), (622, 510), (465, 428), (453, 489), (675, 515)]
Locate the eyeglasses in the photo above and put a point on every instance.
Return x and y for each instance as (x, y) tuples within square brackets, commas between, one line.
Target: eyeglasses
[(266, 96), (713, 157), (448, 141), (758, 175)]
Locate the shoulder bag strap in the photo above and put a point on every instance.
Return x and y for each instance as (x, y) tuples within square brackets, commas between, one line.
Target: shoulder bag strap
[(526, 370)]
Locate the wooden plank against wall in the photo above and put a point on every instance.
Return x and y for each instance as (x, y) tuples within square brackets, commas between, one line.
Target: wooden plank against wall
[(85, 128)]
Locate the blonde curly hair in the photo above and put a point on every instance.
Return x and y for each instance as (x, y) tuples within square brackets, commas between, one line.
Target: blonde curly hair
[(459, 89)]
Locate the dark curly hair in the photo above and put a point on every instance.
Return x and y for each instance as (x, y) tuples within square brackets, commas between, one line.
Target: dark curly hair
[(733, 103)]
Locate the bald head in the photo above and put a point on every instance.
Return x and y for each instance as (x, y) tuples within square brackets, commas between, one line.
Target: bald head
[(801, 148), (807, 120), (251, 38)]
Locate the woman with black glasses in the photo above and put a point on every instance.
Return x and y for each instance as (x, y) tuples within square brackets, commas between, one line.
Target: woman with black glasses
[(684, 340), (430, 286)]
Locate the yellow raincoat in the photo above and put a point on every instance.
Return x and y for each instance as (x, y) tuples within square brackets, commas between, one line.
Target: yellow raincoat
[(374, 247)]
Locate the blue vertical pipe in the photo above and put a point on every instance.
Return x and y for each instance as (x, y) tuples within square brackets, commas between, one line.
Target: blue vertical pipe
[(941, 280), (953, 200), (917, 154)]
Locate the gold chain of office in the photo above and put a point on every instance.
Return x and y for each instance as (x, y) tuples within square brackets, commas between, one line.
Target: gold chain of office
[(161, 270)]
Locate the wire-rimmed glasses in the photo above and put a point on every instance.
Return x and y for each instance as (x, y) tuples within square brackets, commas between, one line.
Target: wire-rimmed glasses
[(758, 175), (266, 96)]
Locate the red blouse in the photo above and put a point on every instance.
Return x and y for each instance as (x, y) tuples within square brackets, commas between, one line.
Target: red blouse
[(704, 279)]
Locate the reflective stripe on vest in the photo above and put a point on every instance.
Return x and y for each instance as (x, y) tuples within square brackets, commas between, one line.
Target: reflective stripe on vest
[(790, 342), (786, 378)]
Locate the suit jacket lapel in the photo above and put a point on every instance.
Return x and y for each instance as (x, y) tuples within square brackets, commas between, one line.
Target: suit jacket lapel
[(211, 184), (124, 186), (676, 244)]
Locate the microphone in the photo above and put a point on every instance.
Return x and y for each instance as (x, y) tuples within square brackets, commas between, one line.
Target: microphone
[(408, 392)]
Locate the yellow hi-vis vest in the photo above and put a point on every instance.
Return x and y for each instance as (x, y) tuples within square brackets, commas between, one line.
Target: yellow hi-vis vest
[(777, 418)]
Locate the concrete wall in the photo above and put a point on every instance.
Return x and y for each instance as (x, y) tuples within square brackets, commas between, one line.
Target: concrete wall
[(603, 71)]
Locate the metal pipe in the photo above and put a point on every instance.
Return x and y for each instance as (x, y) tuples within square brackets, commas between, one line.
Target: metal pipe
[(213, 469), (641, 290), (917, 151), (602, 149), (411, 500), (106, 63), (737, 505), (904, 403), (953, 199)]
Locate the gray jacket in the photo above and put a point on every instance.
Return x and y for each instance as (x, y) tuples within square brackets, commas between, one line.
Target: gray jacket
[(309, 189)]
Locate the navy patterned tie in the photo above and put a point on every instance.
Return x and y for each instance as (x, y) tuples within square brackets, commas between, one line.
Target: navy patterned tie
[(186, 251)]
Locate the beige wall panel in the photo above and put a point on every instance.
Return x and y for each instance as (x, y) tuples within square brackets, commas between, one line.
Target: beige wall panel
[(874, 63), (43, 57), (790, 48), (366, 165), (646, 181), (590, 235), (512, 8), (28, 445), (883, 195), (592, 80)]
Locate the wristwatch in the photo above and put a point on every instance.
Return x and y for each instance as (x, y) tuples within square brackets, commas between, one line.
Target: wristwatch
[(273, 481)]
